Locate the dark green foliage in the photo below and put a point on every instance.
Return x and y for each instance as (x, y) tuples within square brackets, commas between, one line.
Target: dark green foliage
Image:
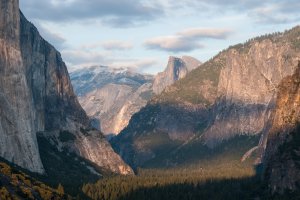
[(189, 183), (66, 136), (194, 171), (65, 168), (292, 147), (219, 189)]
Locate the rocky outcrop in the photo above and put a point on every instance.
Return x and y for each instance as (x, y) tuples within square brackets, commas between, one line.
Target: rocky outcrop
[(282, 154), (177, 68), (37, 96), (17, 122), (111, 96), (232, 94), (247, 88)]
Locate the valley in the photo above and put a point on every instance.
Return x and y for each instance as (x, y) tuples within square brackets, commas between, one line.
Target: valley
[(227, 128)]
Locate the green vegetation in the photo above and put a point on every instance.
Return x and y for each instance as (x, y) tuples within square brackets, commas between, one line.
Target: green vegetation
[(65, 168), (190, 88), (291, 36), (199, 173), (66, 136), (191, 171), (291, 148), (197, 154), (15, 184), (189, 183)]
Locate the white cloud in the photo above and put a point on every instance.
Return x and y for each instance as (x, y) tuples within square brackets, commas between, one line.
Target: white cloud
[(187, 40), (109, 45), (206, 33), (57, 40), (81, 57), (172, 44)]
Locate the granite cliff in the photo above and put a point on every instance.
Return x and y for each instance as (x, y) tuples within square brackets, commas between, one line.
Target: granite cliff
[(176, 69), (112, 96), (37, 97), (229, 96), (282, 152), (17, 127)]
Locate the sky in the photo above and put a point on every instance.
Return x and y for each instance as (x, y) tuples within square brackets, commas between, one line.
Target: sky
[(142, 34)]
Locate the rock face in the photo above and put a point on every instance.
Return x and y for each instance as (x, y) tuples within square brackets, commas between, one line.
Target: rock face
[(282, 154), (111, 96), (247, 88), (177, 68), (232, 94), (37, 96), (18, 116)]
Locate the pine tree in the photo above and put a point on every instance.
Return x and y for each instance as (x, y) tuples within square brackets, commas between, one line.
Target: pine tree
[(60, 189)]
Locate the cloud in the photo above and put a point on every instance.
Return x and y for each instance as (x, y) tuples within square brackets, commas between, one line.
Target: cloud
[(87, 58), (81, 58), (116, 45), (172, 44), (134, 64), (57, 40), (114, 13), (197, 33), (277, 13), (187, 40), (109, 45), (265, 12)]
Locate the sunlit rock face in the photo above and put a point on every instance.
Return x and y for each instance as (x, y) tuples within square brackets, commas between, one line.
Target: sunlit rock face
[(17, 112), (177, 68), (232, 94), (37, 96), (282, 154), (247, 88), (113, 96)]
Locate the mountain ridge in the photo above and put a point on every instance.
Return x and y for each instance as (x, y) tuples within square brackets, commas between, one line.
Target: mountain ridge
[(111, 96), (37, 97), (232, 94)]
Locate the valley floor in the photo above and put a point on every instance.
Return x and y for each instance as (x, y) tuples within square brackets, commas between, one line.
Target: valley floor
[(232, 180)]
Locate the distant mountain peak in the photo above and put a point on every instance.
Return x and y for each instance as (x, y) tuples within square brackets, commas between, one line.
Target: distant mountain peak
[(177, 68), (111, 95)]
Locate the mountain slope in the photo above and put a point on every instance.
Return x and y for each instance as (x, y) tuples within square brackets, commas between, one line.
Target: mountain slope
[(282, 154), (111, 96), (230, 95), (15, 184), (37, 97)]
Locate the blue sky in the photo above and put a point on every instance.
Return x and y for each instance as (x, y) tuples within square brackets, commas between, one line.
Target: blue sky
[(142, 34)]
